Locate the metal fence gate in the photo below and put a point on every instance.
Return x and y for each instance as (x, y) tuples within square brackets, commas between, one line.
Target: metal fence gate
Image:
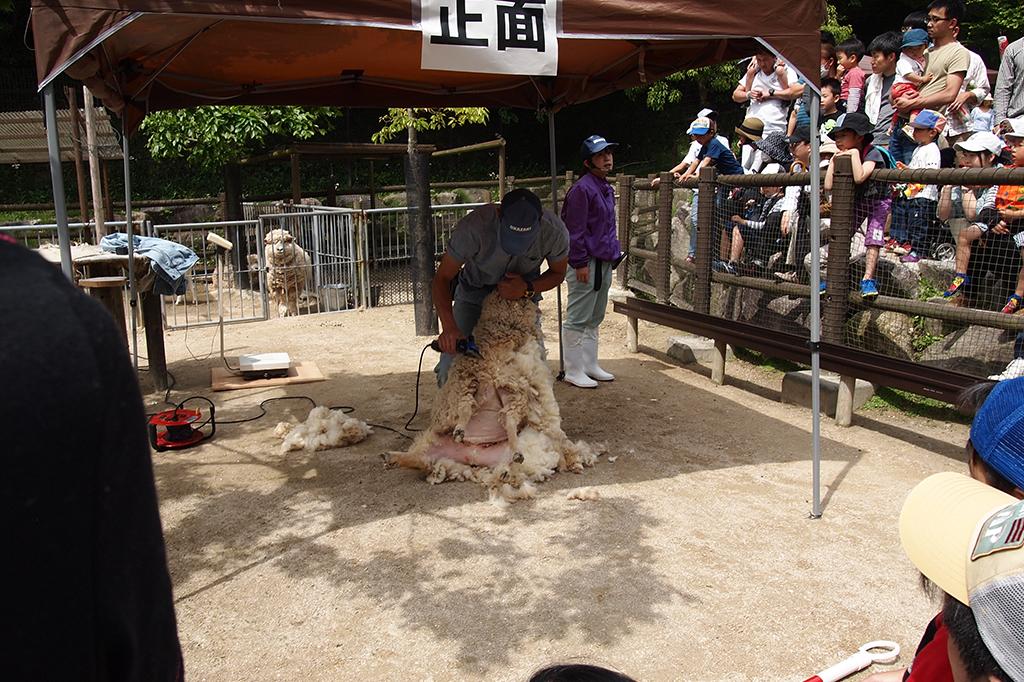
[(331, 259)]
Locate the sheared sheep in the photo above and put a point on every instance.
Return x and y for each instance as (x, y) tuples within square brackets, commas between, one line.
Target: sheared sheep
[(289, 272), (496, 421)]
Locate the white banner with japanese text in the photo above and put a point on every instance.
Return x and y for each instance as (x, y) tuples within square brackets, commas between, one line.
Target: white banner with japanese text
[(490, 36)]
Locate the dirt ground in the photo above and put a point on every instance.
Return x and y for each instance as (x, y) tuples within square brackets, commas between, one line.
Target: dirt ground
[(698, 562)]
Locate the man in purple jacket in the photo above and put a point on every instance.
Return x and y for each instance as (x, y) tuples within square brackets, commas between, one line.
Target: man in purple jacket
[(589, 214)]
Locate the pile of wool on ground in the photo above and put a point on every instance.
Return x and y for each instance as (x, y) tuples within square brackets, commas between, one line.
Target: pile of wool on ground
[(323, 429)]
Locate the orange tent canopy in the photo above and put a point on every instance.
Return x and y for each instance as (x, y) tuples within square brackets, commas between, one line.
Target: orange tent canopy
[(146, 55)]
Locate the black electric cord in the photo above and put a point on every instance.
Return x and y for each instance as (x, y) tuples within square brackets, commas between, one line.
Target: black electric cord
[(416, 404)]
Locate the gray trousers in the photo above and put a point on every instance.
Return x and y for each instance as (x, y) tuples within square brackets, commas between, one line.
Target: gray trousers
[(466, 316), (585, 307)]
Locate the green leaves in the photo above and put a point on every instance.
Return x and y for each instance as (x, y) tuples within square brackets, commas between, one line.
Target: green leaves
[(215, 135), (719, 80), (396, 121)]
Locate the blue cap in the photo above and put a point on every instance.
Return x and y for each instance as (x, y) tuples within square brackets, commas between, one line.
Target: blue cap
[(997, 432), (926, 118), (915, 37), (700, 126), (596, 144), (520, 221)]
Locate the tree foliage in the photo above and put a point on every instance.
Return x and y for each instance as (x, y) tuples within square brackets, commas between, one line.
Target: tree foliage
[(396, 121), (212, 136), (718, 80)]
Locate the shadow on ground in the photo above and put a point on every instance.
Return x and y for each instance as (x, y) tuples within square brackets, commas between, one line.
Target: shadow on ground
[(237, 503)]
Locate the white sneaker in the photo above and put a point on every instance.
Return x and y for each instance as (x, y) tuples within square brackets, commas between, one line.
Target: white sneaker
[(1014, 370), (572, 355)]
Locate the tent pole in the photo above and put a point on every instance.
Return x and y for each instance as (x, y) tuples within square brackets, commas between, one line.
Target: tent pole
[(57, 180), (815, 233), (554, 208), (133, 294)]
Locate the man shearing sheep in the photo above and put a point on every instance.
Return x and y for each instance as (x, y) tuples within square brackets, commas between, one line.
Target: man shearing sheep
[(496, 247)]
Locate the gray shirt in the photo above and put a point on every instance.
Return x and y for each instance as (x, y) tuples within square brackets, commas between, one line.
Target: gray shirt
[(475, 243), (885, 111), (1009, 92)]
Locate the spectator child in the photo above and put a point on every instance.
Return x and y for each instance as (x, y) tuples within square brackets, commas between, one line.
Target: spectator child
[(962, 535), (831, 90), (686, 167), (910, 67), (848, 56), (983, 118), (917, 19), (878, 103), (913, 214), (853, 138), (993, 459), (976, 204), (759, 231), (714, 153), (801, 113), (749, 133), (1010, 204)]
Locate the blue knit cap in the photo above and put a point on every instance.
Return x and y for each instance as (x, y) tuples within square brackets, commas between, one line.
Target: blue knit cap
[(997, 431)]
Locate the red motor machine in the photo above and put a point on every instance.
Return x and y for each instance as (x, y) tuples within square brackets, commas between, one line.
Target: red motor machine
[(174, 430)]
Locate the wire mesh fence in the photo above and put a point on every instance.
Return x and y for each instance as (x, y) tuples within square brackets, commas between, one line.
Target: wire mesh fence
[(923, 266), (388, 252)]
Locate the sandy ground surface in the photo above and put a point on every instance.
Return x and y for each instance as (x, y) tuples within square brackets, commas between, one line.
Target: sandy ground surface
[(697, 562)]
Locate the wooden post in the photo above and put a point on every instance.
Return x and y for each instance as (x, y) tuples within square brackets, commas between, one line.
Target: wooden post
[(296, 179), (570, 178), (107, 204), (76, 146), (422, 240), (373, 187), (238, 234), (705, 224), (632, 334), (718, 363), (625, 213), (155, 340), (362, 274), (94, 166), (844, 400), (840, 232), (664, 248)]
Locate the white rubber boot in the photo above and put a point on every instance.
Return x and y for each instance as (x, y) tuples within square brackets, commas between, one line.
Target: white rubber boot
[(590, 365), (572, 352)]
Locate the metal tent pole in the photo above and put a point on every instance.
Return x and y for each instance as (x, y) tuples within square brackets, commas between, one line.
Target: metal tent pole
[(554, 207), (133, 294), (57, 180), (815, 234)]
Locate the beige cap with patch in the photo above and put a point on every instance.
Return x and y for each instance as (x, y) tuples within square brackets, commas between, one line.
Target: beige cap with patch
[(968, 538)]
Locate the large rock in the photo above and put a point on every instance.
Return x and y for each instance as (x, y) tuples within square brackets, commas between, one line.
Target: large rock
[(893, 277), (682, 283), (690, 349), (936, 274), (882, 331), (796, 390), (975, 350)]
